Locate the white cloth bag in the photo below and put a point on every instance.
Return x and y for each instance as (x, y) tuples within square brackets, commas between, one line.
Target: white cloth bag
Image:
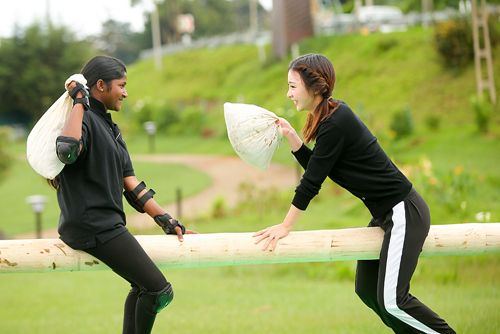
[(253, 132), (41, 143)]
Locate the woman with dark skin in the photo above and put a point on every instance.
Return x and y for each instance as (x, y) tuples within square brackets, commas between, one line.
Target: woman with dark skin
[(347, 153), (97, 174)]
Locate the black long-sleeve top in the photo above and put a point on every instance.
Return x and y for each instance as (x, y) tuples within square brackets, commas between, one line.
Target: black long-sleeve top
[(90, 191), (348, 153)]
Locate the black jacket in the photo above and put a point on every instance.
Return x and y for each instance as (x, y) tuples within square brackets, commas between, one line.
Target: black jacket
[(348, 153), (90, 190)]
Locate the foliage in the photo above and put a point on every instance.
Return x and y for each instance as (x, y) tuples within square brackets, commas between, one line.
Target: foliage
[(402, 123), (118, 40), (450, 188), (33, 67), (453, 41), (211, 17), (433, 122), (483, 110), (5, 160)]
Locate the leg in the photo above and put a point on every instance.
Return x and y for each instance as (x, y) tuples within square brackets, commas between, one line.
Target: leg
[(366, 287), (126, 257), (405, 231), (129, 310), (367, 283)]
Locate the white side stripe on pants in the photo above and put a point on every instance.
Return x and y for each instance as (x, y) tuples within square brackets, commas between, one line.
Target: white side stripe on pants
[(392, 270)]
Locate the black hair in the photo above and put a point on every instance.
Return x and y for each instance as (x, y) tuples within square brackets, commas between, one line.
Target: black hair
[(100, 67), (105, 68)]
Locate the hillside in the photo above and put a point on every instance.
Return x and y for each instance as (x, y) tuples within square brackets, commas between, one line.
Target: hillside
[(377, 75)]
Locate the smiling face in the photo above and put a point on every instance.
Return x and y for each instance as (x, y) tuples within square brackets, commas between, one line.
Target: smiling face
[(302, 98), (113, 93)]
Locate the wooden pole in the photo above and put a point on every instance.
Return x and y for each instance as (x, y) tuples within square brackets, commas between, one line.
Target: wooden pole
[(223, 249)]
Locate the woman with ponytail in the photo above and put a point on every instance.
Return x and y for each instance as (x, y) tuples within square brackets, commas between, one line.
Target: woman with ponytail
[(97, 174), (347, 152)]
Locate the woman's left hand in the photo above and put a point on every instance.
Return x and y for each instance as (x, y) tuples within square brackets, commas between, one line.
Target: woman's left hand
[(271, 235)]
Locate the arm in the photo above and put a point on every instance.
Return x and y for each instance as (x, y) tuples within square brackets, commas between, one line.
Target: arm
[(301, 152), (69, 143), (151, 207), (272, 234), (154, 210), (290, 134), (329, 145)]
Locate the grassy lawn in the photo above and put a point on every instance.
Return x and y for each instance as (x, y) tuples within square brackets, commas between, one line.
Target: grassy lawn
[(250, 299), (22, 181), (452, 166)]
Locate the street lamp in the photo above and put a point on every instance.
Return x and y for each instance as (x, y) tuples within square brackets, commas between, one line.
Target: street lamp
[(37, 204), (150, 128)]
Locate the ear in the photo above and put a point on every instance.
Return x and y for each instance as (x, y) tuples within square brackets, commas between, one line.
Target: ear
[(100, 85)]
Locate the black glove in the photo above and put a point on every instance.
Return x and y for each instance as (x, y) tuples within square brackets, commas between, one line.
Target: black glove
[(84, 100), (168, 224)]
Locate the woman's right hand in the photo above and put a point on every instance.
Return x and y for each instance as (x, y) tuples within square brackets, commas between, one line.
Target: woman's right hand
[(71, 86), (286, 128), (290, 134)]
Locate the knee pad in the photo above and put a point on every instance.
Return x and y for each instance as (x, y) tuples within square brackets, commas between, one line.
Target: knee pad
[(158, 300)]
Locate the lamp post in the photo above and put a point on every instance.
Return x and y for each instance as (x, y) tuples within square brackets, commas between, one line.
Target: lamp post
[(37, 204), (150, 128)]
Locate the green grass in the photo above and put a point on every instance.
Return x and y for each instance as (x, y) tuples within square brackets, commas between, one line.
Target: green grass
[(22, 181), (248, 299), (376, 80)]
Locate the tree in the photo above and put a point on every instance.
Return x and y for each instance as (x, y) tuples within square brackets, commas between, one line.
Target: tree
[(33, 67), (118, 40), (212, 17)]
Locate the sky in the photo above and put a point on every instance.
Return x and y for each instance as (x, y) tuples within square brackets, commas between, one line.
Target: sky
[(83, 17)]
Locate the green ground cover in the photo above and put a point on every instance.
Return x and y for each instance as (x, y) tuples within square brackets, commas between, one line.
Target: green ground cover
[(21, 182), (453, 166)]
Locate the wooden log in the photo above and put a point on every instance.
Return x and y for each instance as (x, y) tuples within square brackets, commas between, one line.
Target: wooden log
[(222, 249)]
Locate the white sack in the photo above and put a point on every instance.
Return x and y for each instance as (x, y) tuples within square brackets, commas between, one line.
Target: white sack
[(253, 132), (41, 144)]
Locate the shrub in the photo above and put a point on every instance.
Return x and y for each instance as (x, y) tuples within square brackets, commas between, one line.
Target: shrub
[(191, 121), (433, 122), (4, 158), (453, 41), (402, 123), (483, 111)]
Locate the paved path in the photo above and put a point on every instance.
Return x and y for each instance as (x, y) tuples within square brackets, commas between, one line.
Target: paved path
[(227, 174)]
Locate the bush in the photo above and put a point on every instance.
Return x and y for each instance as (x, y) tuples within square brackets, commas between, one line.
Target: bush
[(483, 111), (453, 41), (165, 116), (433, 122), (191, 121), (402, 123), (4, 158)]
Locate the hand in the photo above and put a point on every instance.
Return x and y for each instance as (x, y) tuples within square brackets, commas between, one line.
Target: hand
[(72, 86), (271, 235), (178, 231), (170, 225), (77, 90), (286, 128)]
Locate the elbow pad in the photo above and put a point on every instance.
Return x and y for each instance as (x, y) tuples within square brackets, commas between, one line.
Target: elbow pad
[(68, 149), (133, 199)]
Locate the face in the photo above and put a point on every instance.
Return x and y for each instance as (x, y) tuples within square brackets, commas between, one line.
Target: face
[(114, 93), (298, 93)]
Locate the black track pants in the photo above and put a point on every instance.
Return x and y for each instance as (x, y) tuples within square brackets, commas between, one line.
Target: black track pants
[(384, 284), (124, 255)]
